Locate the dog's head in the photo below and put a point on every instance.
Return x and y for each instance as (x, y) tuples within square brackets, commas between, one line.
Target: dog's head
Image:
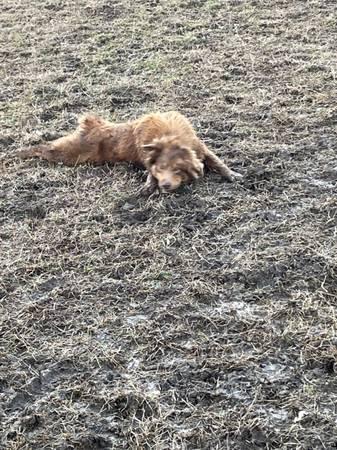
[(171, 163)]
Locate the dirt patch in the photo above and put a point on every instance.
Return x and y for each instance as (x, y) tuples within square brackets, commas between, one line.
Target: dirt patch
[(199, 320)]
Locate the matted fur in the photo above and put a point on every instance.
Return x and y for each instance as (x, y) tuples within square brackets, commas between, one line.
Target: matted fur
[(164, 143)]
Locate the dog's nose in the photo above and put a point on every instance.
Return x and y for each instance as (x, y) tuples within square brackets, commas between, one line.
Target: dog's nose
[(166, 185)]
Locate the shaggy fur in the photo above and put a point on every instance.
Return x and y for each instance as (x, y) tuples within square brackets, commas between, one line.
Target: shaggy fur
[(164, 143)]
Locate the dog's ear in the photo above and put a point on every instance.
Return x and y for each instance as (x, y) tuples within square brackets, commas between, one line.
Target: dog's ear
[(196, 170), (193, 166), (152, 152)]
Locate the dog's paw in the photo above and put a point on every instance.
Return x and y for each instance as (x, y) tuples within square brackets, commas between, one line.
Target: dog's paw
[(231, 175), (146, 190), (236, 175)]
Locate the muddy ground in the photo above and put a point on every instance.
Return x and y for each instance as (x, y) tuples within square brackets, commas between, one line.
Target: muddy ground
[(205, 319)]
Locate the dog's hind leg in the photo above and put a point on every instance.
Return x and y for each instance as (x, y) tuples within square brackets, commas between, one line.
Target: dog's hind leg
[(70, 150), (43, 151)]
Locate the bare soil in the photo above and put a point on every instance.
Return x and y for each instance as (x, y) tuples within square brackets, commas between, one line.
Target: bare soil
[(205, 319)]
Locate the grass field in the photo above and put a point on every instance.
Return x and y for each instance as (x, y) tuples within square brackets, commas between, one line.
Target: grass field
[(205, 319)]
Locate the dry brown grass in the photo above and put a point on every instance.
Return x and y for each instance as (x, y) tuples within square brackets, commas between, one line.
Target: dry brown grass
[(200, 320)]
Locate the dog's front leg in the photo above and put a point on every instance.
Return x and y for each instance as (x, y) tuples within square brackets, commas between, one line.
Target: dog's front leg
[(215, 163), (150, 186)]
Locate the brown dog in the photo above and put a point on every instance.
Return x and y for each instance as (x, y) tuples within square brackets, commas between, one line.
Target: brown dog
[(164, 143)]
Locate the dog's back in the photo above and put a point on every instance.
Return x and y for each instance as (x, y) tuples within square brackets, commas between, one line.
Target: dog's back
[(156, 125)]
